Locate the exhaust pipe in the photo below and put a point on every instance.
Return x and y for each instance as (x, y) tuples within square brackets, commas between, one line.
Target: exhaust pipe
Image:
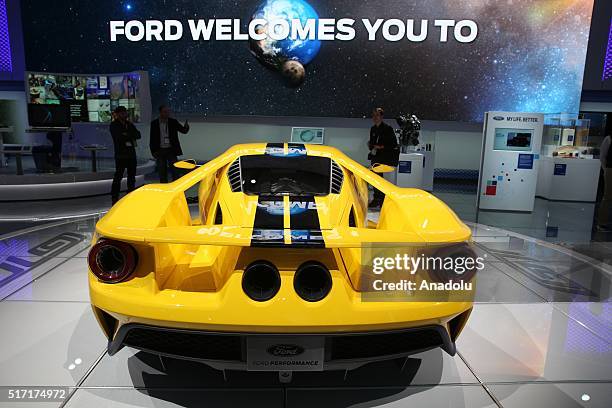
[(261, 281), (312, 281)]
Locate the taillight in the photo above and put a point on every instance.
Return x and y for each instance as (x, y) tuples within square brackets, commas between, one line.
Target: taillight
[(456, 255), (112, 261)]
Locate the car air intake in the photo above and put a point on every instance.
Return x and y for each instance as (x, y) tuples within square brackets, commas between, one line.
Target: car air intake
[(261, 281), (312, 281)]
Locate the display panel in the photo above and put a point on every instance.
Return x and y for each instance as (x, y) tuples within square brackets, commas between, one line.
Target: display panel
[(307, 135), (513, 139), (49, 116), (410, 55), (89, 98)]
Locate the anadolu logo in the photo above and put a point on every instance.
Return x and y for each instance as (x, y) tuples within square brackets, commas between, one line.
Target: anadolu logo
[(285, 350)]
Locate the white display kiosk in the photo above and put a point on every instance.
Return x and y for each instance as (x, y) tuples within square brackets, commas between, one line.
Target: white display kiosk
[(568, 179), (510, 161), (410, 170)]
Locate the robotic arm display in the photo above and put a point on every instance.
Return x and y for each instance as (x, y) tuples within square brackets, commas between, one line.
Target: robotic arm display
[(409, 133)]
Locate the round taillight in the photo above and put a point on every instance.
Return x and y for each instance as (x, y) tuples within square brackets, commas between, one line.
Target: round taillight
[(261, 281), (457, 256), (112, 261), (312, 281)]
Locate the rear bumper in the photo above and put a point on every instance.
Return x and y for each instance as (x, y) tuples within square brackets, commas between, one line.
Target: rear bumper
[(227, 350)]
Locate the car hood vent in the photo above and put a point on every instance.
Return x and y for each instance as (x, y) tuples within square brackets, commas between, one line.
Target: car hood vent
[(337, 177), (234, 174)]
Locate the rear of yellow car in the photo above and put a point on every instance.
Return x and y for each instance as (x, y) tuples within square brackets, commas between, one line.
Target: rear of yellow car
[(253, 284)]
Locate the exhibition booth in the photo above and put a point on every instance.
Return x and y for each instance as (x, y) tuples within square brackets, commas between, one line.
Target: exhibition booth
[(306, 203)]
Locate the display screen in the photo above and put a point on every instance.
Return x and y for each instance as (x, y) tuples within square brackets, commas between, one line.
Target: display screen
[(47, 116), (438, 59), (513, 139), (307, 135), (89, 98)]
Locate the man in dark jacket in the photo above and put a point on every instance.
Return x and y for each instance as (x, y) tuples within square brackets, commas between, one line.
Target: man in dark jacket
[(383, 150), (164, 142), (124, 135)]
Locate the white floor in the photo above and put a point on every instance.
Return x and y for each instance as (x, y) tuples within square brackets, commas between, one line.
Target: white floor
[(540, 336)]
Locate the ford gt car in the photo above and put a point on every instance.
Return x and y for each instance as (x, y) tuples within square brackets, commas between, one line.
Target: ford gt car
[(268, 273)]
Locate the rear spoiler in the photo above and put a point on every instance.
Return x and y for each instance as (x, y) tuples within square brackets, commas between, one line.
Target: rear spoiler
[(224, 235)]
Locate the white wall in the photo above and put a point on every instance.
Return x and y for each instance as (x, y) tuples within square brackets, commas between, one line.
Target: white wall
[(458, 150), (207, 140), (455, 149), (457, 144)]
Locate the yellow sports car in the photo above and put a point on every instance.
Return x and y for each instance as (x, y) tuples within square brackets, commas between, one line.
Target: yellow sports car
[(270, 274)]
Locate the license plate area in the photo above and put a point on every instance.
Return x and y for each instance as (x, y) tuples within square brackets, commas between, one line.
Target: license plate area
[(285, 353)]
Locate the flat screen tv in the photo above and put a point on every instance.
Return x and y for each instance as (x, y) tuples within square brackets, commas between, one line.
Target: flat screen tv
[(48, 116)]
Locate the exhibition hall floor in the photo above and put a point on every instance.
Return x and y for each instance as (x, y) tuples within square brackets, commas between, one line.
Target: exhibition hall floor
[(540, 334)]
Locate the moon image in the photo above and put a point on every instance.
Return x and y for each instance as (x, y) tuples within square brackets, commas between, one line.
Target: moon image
[(294, 72)]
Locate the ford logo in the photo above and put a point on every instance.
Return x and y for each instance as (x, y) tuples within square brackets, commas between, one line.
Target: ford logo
[(498, 118), (285, 350)]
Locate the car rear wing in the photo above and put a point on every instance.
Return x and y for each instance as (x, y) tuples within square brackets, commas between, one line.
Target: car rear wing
[(224, 235)]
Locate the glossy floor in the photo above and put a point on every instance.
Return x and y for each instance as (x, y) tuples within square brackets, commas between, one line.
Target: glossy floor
[(540, 336)]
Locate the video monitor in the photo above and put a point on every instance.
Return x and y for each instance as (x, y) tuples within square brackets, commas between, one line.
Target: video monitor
[(307, 135), (89, 98), (513, 139), (48, 116)]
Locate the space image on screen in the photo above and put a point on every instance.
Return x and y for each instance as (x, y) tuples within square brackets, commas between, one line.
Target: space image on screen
[(517, 62), (48, 116)]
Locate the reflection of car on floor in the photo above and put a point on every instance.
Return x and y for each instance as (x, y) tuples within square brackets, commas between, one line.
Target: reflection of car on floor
[(268, 276)]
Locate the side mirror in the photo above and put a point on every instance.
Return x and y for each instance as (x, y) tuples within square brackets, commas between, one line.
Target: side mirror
[(186, 164)]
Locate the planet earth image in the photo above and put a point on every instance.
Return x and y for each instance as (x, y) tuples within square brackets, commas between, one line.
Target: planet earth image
[(289, 56)]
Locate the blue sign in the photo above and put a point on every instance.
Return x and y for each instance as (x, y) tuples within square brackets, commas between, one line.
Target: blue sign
[(405, 167), (525, 161), (560, 169)]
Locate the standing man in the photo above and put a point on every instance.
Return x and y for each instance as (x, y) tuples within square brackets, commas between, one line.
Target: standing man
[(605, 206), (164, 142), (124, 135), (383, 150)]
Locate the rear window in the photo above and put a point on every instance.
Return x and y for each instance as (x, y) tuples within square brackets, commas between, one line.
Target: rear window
[(280, 175)]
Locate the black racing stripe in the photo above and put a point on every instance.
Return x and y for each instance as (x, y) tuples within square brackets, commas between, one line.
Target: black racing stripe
[(269, 213), (303, 213), (304, 221), (267, 238), (307, 238), (275, 149)]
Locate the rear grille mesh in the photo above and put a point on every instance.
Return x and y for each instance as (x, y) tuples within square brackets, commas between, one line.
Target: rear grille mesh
[(234, 174), (229, 347), (337, 178), (372, 345), (188, 344)]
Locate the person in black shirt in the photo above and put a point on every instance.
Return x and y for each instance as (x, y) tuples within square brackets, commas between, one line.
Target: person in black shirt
[(384, 149), (124, 135), (605, 206), (164, 142)]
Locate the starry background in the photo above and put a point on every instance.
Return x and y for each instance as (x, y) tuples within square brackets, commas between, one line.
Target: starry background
[(529, 56)]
